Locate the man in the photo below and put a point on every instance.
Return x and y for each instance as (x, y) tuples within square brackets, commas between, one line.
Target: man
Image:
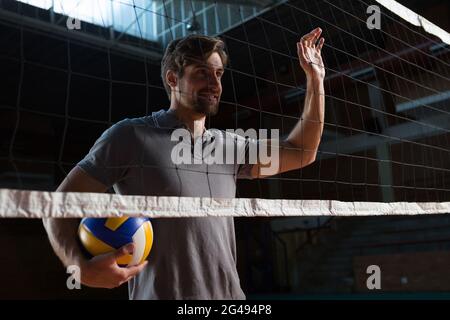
[(192, 258)]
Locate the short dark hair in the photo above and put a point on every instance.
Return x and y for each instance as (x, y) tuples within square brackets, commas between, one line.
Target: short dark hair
[(189, 50)]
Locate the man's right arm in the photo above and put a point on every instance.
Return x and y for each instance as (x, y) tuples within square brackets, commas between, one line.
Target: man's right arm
[(101, 271), (62, 233)]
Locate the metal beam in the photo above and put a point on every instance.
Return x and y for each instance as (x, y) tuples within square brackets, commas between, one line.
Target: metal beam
[(249, 3), (34, 24), (365, 141)]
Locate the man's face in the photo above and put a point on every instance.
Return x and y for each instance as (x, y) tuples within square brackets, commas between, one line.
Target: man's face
[(200, 86)]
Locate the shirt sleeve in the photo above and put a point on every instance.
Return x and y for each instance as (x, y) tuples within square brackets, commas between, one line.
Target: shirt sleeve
[(109, 158)]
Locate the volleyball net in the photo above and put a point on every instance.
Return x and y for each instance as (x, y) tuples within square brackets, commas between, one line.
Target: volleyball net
[(385, 145)]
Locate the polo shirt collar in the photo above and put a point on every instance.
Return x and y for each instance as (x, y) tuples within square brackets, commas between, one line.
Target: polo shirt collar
[(168, 119)]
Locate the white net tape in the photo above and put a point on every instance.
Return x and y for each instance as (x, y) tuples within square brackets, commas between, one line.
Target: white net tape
[(37, 204)]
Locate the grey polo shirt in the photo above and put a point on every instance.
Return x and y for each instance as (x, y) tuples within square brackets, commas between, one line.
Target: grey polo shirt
[(191, 258)]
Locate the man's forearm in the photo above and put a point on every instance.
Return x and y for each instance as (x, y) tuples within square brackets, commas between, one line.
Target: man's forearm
[(63, 233), (63, 236), (308, 131), (300, 147)]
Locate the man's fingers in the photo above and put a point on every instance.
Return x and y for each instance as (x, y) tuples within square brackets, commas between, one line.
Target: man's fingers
[(311, 37), (123, 251), (127, 273), (320, 45), (301, 52), (124, 281), (317, 33), (134, 270)]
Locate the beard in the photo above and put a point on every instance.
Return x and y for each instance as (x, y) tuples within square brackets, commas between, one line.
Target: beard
[(206, 106)]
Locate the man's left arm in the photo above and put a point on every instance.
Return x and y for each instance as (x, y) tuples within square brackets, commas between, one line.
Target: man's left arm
[(300, 147)]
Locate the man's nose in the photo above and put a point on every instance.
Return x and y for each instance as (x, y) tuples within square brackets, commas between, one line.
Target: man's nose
[(214, 82)]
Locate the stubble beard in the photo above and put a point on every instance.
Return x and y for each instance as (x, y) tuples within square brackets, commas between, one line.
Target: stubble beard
[(203, 106)]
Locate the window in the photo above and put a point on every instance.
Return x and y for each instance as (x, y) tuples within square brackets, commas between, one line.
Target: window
[(121, 15)]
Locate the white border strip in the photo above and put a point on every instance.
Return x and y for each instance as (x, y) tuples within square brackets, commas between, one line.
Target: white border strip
[(38, 204)]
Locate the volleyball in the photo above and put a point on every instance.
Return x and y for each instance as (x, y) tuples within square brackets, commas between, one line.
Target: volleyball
[(103, 235)]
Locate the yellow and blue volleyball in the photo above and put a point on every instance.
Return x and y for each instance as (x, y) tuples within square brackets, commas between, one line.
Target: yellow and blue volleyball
[(103, 235)]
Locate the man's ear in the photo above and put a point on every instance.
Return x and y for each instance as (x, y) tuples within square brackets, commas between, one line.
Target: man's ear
[(171, 79)]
